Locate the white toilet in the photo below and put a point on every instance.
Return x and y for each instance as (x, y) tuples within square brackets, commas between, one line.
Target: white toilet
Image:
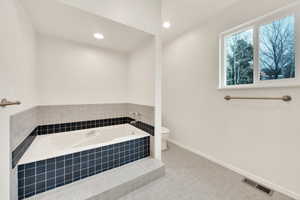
[(165, 134)]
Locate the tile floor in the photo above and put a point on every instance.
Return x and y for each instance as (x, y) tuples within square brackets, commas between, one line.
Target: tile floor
[(190, 177)]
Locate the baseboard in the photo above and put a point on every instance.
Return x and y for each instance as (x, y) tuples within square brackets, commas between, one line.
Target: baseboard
[(242, 172)]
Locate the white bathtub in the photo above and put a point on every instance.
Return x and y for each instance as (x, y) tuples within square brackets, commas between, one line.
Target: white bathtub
[(54, 145)]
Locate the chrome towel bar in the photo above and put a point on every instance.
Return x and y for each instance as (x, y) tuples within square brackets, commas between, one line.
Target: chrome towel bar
[(4, 103), (283, 98)]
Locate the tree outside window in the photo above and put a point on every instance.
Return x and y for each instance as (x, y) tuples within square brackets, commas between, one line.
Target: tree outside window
[(239, 58), (277, 49)]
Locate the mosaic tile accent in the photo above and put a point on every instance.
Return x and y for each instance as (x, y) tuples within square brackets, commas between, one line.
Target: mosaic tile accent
[(41, 176), (73, 126), (145, 127), (21, 148)]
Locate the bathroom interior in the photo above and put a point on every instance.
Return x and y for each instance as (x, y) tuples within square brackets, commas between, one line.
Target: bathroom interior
[(149, 99)]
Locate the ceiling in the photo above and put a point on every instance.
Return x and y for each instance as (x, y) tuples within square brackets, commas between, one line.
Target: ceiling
[(53, 18), (186, 14)]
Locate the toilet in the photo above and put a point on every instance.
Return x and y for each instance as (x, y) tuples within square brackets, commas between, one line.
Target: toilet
[(165, 134)]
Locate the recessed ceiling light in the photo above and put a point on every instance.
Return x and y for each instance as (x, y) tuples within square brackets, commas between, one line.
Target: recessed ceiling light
[(98, 36), (166, 24)]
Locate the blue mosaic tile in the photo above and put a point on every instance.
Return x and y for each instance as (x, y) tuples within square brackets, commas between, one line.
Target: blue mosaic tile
[(19, 151), (145, 127), (41, 176), (72, 126)]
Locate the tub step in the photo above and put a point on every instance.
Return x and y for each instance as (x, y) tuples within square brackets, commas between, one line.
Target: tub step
[(108, 185)]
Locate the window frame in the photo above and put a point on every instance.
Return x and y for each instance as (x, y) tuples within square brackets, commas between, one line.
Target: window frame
[(255, 26)]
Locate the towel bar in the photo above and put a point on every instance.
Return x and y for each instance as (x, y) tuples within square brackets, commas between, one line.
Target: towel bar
[(283, 98)]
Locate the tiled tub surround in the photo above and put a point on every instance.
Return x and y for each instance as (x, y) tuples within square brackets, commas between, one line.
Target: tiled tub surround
[(67, 127), (89, 157), (63, 118), (54, 145), (143, 126), (23, 123), (58, 114), (23, 129), (26, 125), (58, 128), (21, 149), (147, 113), (72, 126)]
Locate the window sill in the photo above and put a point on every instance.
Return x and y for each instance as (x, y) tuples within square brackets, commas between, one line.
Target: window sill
[(259, 86)]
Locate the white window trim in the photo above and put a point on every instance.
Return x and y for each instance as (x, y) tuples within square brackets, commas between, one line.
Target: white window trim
[(291, 10)]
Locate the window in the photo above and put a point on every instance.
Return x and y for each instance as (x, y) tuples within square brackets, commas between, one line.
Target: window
[(260, 54), (239, 58), (277, 49)]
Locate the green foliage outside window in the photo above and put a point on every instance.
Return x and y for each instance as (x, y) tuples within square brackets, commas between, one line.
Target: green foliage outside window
[(239, 58)]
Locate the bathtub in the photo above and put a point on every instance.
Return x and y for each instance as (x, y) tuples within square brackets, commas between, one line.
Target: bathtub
[(54, 145), (55, 160)]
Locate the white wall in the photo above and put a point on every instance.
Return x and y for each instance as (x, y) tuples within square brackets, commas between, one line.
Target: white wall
[(141, 14), (258, 138), (72, 73), (141, 74), (144, 15), (17, 77)]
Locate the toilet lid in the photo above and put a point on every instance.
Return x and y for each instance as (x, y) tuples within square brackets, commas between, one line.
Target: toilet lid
[(164, 130)]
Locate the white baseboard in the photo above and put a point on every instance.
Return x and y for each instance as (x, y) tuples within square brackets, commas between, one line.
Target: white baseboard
[(242, 172)]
